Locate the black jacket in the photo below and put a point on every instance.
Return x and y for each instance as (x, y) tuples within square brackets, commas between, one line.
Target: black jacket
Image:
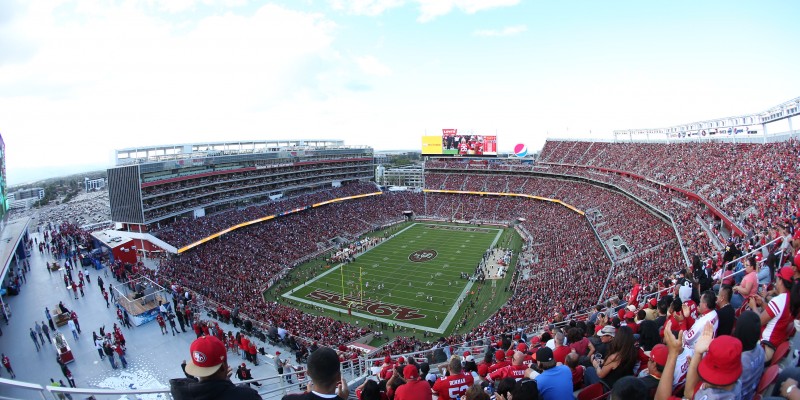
[(190, 389)]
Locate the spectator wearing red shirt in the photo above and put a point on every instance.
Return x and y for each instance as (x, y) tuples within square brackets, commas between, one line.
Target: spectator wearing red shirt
[(633, 297), (414, 388), (453, 386), (561, 350), (386, 370), (500, 361), (516, 370), (577, 371), (630, 322)]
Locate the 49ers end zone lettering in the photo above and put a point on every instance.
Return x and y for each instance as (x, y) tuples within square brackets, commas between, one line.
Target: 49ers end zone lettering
[(370, 306)]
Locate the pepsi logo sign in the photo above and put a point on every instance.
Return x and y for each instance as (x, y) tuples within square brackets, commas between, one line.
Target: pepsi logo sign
[(521, 150)]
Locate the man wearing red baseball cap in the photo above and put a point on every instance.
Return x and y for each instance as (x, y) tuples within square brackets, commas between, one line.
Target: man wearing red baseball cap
[(386, 370), (414, 388), (209, 363), (655, 367), (500, 361)]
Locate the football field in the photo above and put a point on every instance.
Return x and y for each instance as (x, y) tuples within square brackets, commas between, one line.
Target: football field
[(411, 279)]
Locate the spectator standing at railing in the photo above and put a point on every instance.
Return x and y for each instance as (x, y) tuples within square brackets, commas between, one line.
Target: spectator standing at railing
[(243, 373)]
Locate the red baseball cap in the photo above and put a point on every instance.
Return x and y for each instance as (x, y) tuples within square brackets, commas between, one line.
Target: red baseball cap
[(500, 355), (658, 354), (535, 340), (410, 372), (510, 353), (483, 369), (466, 353), (387, 359), (522, 347), (208, 354), (722, 365), (401, 360), (653, 302), (786, 273), (629, 315)]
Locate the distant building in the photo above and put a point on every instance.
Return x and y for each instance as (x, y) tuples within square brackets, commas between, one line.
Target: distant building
[(379, 171), (409, 176), (381, 158), (25, 198), (94, 184)]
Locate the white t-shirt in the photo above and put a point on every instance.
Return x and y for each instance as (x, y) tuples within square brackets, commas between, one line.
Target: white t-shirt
[(690, 337)]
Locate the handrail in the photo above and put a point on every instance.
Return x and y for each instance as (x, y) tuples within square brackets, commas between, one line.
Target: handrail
[(68, 390)]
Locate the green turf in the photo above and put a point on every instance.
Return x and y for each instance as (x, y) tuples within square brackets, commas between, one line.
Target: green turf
[(403, 300)]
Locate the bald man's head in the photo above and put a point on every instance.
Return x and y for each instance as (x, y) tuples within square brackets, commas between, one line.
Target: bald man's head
[(518, 358)]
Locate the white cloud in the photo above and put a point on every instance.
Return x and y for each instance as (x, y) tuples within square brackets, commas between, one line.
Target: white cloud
[(507, 31), (365, 7), (116, 76), (179, 6), (429, 9), (372, 66)]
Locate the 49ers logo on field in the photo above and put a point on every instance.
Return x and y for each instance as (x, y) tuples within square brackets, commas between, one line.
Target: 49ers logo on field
[(423, 255)]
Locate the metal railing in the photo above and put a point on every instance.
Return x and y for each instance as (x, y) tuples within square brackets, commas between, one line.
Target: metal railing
[(273, 387)]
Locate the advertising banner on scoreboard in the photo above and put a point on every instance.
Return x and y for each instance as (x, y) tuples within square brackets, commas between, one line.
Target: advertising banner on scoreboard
[(432, 145), (463, 144)]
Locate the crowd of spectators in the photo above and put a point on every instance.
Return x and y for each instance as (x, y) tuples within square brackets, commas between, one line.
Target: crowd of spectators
[(757, 187), (183, 232), (613, 214)]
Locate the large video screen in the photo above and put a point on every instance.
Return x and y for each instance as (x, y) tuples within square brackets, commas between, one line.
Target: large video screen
[(464, 144)]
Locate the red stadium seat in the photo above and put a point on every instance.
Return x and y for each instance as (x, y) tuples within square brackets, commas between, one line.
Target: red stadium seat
[(592, 392), (780, 353), (767, 378)]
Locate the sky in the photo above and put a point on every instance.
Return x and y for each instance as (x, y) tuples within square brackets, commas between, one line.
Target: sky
[(79, 79)]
